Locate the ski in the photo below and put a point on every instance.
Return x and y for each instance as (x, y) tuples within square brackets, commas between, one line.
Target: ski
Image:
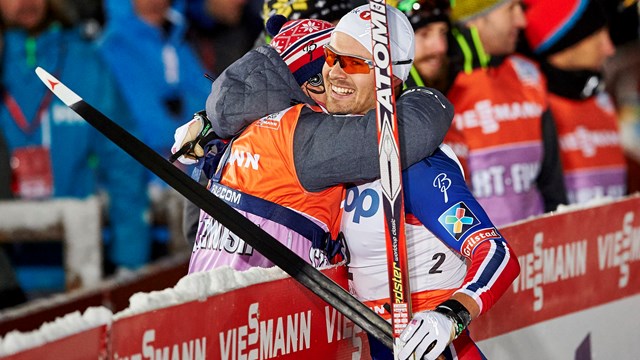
[(390, 172), (283, 257)]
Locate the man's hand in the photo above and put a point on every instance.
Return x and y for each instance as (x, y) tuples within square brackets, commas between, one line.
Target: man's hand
[(426, 336), (187, 147)]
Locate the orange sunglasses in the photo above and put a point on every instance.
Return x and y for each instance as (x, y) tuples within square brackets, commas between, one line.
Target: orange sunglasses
[(352, 64)]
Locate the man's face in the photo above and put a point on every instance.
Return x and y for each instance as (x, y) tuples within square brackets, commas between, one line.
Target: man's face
[(499, 28), (431, 49), (588, 54), (152, 11), (348, 93), (25, 14)]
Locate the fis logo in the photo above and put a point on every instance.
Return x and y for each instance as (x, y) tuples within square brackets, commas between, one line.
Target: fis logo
[(458, 219)]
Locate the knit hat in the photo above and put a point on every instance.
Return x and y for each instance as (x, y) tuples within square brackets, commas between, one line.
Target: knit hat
[(425, 12), (357, 24), (465, 10), (554, 25), (327, 10), (300, 43)]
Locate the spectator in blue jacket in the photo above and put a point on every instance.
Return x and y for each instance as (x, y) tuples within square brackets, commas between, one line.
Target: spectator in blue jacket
[(62, 155), (159, 74)]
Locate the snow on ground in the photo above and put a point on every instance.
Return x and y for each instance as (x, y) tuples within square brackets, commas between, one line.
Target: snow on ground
[(72, 323), (199, 286)]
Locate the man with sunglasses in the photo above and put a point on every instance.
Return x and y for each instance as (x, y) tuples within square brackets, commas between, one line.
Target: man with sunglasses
[(295, 161), (459, 263)]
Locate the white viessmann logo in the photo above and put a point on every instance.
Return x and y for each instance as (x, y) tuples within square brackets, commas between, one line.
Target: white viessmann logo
[(488, 116)]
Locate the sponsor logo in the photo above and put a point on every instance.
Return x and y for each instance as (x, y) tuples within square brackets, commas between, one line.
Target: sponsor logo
[(226, 194), (191, 349), (244, 159), (476, 238), (443, 183), (266, 338), (588, 141), (527, 72), (488, 116), (617, 249), (213, 236), (364, 204), (497, 179), (458, 219), (270, 121), (548, 265)]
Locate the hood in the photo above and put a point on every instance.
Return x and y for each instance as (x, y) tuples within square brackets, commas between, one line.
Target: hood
[(256, 85)]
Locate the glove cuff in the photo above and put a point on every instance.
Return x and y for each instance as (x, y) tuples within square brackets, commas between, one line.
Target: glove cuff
[(456, 311)]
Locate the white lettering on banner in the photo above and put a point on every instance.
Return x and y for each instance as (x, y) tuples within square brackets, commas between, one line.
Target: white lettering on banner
[(488, 116), (192, 349), (550, 265), (339, 327), (214, 236), (259, 340), (588, 141), (618, 248), (494, 180), (244, 158)]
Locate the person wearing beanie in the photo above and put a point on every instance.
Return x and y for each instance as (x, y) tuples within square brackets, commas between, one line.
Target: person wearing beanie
[(430, 22), (350, 89), (327, 10), (502, 124), (289, 167), (571, 41)]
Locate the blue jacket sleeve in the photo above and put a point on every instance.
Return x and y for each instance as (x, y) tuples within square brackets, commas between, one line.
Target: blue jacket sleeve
[(436, 193)]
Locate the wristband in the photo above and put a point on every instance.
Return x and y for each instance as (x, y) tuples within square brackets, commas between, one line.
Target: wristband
[(456, 311)]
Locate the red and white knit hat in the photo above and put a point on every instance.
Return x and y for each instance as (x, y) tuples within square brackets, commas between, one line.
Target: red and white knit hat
[(300, 43)]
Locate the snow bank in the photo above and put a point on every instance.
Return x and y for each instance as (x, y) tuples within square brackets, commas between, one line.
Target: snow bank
[(199, 286), (72, 323)]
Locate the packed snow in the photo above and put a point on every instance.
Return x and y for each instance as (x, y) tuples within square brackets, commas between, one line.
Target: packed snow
[(72, 323), (199, 286)]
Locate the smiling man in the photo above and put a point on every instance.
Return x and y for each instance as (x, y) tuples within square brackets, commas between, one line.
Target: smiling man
[(457, 272)]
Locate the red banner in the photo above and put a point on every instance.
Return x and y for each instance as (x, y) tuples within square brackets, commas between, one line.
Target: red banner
[(569, 262), (89, 344), (275, 319)]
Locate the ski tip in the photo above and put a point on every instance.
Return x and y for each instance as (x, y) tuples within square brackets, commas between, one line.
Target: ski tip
[(59, 89)]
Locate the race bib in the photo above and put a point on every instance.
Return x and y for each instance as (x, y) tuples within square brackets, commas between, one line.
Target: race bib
[(32, 175)]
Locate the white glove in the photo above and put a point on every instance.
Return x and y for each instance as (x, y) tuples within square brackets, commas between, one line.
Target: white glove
[(188, 133), (426, 336)]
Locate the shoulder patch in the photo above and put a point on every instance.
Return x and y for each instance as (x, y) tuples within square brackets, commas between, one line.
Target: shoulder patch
[(271, 121), (527, 70), (458, 219)]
